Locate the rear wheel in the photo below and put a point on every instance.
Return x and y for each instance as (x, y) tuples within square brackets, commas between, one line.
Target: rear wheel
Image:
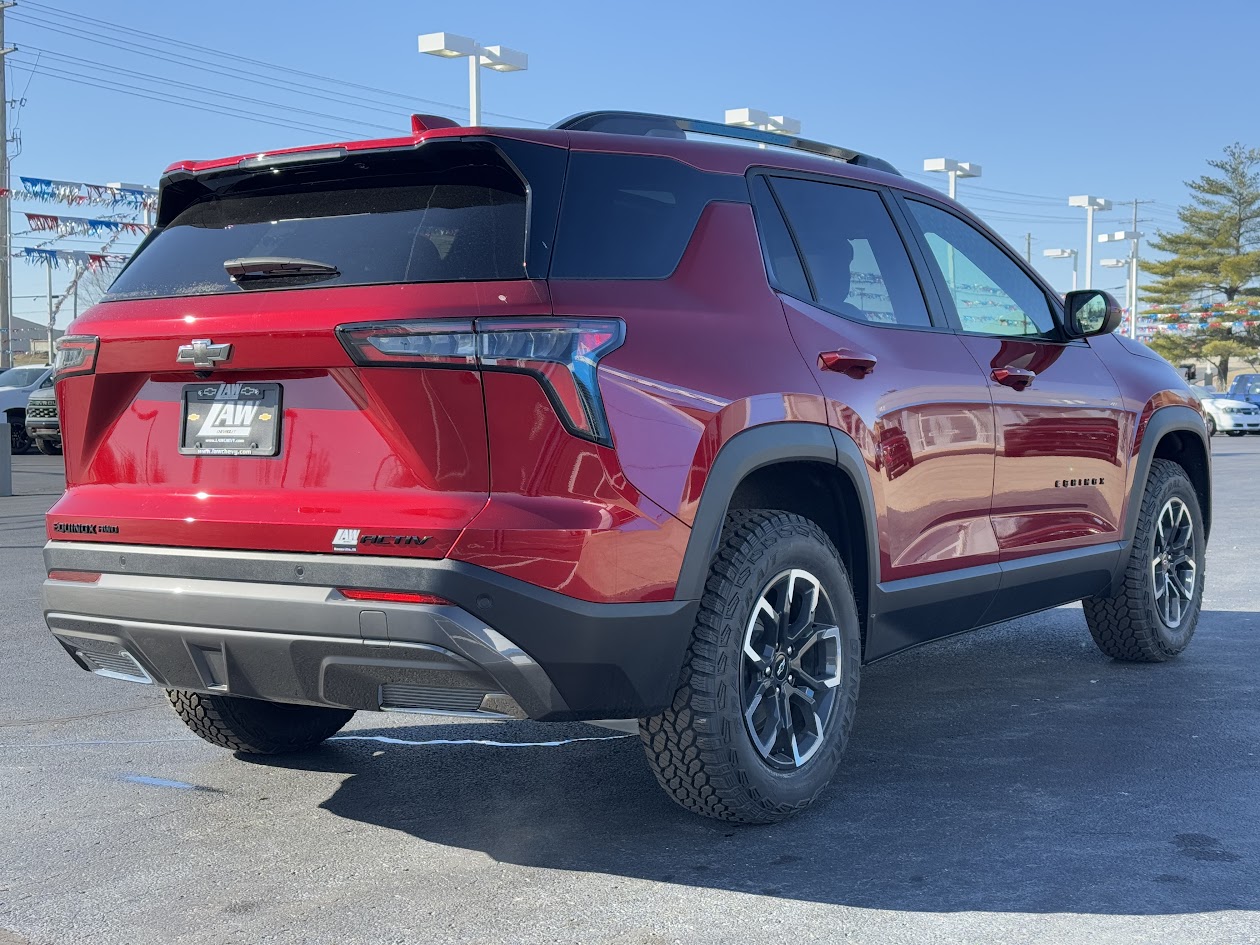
[(1233, 432), (770, 685), (256, 727), (1153, 615)]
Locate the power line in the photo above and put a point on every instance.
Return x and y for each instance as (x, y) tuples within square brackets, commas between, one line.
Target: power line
[(161, 52), (151, 95), (148, 76)]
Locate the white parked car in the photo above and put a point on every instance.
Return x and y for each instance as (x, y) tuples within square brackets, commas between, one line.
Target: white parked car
[(16, 386), (1233, 417)]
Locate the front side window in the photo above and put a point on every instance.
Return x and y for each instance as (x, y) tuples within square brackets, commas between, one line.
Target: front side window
[(991, 294), (854, 258)]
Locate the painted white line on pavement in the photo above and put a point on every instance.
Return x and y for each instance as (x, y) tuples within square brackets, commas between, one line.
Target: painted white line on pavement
[(387, 740)]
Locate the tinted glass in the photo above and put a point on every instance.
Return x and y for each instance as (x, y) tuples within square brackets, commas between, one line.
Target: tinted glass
[(782, 261), (20, 376), (462, 223), (854, 255), (991, 293), (630, 216)]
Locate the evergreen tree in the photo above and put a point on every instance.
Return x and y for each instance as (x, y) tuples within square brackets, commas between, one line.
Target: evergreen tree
[(1218, 248)]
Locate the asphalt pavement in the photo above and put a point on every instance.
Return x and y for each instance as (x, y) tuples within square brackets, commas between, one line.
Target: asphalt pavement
[(1011, 785)]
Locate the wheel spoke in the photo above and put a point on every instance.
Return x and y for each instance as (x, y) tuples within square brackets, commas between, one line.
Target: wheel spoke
[(765, 734), (804, 620)]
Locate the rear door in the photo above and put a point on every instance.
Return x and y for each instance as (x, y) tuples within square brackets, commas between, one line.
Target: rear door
[(1060, 472), (906, 391)]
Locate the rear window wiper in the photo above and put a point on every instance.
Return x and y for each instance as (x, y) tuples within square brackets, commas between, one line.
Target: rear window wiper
[(277, 267)]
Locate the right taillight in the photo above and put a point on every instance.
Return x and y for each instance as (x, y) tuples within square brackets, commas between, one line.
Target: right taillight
[(563, 353), (76, 354)]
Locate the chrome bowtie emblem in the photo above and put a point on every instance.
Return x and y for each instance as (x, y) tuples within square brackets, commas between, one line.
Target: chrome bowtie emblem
[(203, 353)]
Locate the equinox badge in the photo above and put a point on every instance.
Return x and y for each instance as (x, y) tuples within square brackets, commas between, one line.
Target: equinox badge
[(203, 353)]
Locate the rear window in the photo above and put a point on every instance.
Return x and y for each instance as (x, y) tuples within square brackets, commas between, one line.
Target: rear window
[(382, 219), (630, 216)]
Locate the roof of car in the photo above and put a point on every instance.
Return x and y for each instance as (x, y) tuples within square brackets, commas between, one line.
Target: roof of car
[(732, 156)]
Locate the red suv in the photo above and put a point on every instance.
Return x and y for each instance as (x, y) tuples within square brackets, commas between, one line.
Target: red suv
[(623, 419)]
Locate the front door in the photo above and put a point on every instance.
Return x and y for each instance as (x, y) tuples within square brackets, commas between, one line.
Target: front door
[(1060, 468)]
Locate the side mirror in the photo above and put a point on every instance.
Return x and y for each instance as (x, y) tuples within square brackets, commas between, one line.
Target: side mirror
[(1092, 312)]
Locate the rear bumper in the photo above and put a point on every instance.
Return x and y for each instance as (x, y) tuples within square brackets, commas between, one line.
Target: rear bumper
[(273, 626)]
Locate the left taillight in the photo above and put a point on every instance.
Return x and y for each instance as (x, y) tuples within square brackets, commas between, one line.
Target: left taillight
[(76, 354), (562, 353)]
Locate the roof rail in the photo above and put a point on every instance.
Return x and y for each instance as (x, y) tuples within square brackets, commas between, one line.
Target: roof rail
[(671, 126)]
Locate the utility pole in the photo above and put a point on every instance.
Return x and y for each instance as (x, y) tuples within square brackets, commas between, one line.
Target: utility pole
[(6, 304), (52, 315), (1135, 262), (1028, 248)]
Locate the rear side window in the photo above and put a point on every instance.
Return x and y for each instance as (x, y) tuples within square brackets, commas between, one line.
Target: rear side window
[(628, 216), (856, 263), (782, 260), (390, 219)]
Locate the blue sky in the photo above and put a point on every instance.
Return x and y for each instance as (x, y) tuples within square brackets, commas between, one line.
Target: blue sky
[(1115, 98)]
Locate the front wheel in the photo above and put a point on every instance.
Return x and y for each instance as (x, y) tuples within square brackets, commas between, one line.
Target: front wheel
[(768, 691), (1153, 615), (1233, 432), (1211, 426), (48, 447), (256, 727), (19, 440)]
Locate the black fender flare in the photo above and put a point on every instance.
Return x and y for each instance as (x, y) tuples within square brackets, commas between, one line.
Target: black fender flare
[(753, 449), (1165, 420)]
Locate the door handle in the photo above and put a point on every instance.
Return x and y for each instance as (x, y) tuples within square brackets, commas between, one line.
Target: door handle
[(1018, 378), (856, 364)]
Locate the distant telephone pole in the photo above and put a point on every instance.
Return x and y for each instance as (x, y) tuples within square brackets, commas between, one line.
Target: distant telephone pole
[(1135, 262), (6, 304), (1028, 248)]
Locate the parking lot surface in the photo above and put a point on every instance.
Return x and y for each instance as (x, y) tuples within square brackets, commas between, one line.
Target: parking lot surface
[(1011, 785)]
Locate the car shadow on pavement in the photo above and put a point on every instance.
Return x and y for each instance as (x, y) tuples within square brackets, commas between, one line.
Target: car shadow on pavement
[(1014, 770)]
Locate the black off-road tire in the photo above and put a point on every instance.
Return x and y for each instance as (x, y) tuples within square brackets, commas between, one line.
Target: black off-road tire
[(1127, 625), (48, 447), (699, 748), (256, 727), (19, 439)]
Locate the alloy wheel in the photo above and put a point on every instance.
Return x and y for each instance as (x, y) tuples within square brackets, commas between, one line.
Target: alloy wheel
[(1173, 568), (790, 669)]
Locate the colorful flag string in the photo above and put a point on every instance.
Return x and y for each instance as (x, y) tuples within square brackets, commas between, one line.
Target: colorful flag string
[(82, 226), (78, 258), (78, 194)]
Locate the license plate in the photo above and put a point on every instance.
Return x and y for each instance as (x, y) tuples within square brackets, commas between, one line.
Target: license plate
[(231, 420)]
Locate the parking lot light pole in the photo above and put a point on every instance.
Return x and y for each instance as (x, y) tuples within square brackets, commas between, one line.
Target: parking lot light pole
[(1063, 254), (762, 121), (955, 169), (497, 58), (1122, 264), (1130, 298), (1091, 204)]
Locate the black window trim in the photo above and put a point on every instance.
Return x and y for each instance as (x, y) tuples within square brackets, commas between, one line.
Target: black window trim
[(935, 316), (945, 300)]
